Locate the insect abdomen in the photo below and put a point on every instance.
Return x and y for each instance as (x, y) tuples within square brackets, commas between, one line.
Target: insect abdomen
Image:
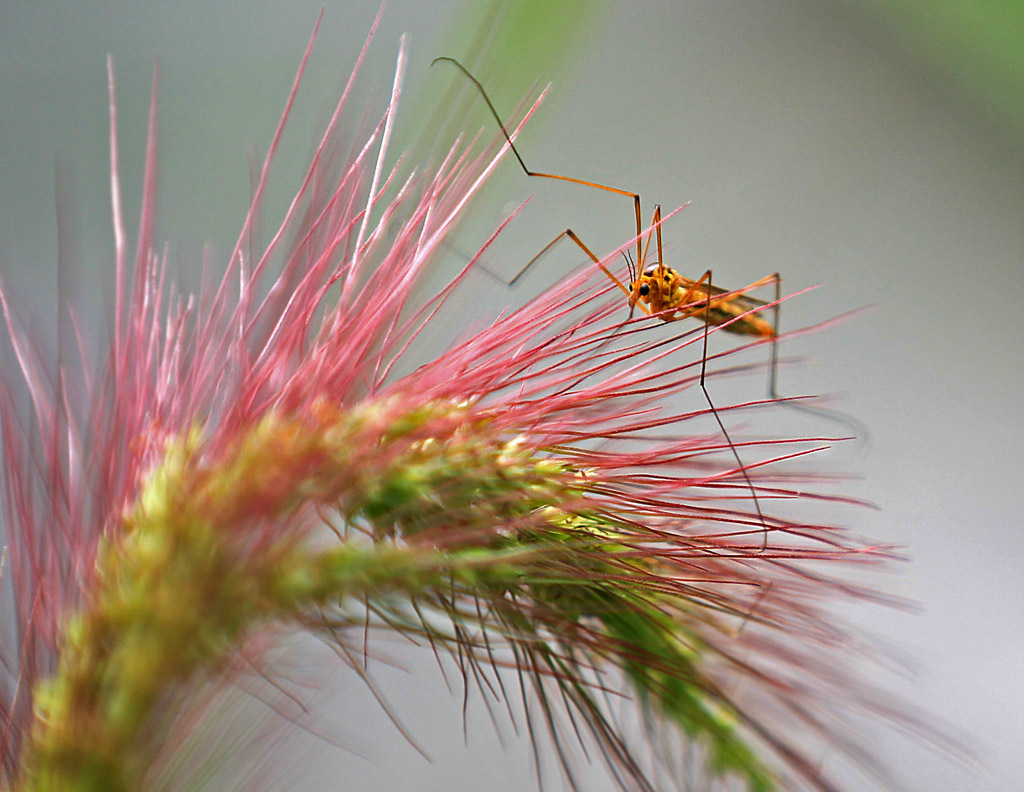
[(751, 324)]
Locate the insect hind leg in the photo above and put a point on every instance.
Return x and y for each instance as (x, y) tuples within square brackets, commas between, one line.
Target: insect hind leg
[(859, 430)]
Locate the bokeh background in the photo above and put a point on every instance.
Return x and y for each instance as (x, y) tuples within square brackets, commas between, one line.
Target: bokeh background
[(876, 148)]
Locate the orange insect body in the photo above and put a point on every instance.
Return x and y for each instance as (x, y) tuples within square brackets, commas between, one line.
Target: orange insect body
[(661, 289)]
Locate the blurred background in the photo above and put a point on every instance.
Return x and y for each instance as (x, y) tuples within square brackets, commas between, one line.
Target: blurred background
[(873, 147)]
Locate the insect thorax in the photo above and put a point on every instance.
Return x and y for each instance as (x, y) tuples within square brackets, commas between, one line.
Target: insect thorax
[(662, 288)]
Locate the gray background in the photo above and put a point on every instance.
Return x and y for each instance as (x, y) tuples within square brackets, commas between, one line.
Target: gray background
[(808, 144)]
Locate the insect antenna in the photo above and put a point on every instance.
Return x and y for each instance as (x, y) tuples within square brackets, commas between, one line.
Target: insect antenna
[(630, 266)]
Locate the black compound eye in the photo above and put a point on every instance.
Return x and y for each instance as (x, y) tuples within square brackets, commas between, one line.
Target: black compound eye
[(644, 290)]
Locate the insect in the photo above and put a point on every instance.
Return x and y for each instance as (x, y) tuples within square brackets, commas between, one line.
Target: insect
[(660, 291)]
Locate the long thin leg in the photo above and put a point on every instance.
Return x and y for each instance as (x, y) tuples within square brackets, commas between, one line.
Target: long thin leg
[(725, 433), (572, 235), (859, 430), (776, 311), (656, 224), (528, 172), (764, 589)]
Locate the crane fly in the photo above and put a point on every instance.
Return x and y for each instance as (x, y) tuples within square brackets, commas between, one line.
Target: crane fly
[(660, 291)]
